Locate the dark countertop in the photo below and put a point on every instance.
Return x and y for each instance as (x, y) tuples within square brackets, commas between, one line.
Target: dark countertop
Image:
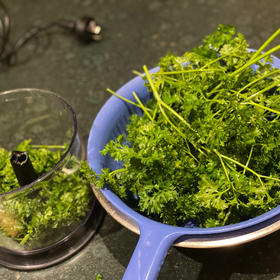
[(134, 33)]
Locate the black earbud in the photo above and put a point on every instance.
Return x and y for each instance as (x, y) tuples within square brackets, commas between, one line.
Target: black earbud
[(86, 28)]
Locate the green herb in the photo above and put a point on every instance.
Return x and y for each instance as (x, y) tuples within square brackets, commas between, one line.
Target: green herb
[(98, 277), (57, 203), (207, 146)]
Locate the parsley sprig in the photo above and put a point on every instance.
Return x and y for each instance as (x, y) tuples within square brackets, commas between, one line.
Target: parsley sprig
[(206, 147)]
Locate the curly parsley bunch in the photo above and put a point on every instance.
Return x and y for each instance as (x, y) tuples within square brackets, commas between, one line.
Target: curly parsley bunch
[(206, 148)]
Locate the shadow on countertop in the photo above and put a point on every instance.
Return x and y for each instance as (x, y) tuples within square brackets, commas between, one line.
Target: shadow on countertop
[(260, 258)]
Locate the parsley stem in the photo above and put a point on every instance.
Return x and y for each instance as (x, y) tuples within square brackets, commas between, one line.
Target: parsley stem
[(227, 215), (248, 169), (227, 176), (263, 107), (250, 62), (117, 171), (214, 60), (24, 239), (151, 83), (177, 115), (263, 90), (123, 98), (171, 123), (224, 191), (159, 100), (215, 99), (248, 160), (242, 165), (259, 79), (265, 44), (214, 89), (155, 112), (171, 80), (179, 131), (187, 71), (142, 106), (224, 168), (161, 103), (138, 73)]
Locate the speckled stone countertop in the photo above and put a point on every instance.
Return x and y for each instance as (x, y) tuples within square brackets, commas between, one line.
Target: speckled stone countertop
[(134, 33)]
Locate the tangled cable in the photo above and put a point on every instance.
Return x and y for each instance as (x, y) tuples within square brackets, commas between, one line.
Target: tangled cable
[(85, 28)]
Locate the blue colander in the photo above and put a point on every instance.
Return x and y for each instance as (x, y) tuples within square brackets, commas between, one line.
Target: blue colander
[(155, 237)]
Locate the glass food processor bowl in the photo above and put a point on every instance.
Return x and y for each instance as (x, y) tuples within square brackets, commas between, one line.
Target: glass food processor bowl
[(46, 207)]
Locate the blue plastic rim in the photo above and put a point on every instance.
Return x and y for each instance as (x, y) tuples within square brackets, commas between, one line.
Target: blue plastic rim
[(155, 238)]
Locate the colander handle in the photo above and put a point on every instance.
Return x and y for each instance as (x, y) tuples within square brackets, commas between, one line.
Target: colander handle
[(150, 253)]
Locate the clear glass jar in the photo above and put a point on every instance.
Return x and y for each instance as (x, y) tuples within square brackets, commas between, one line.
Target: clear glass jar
[(49, 218)]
